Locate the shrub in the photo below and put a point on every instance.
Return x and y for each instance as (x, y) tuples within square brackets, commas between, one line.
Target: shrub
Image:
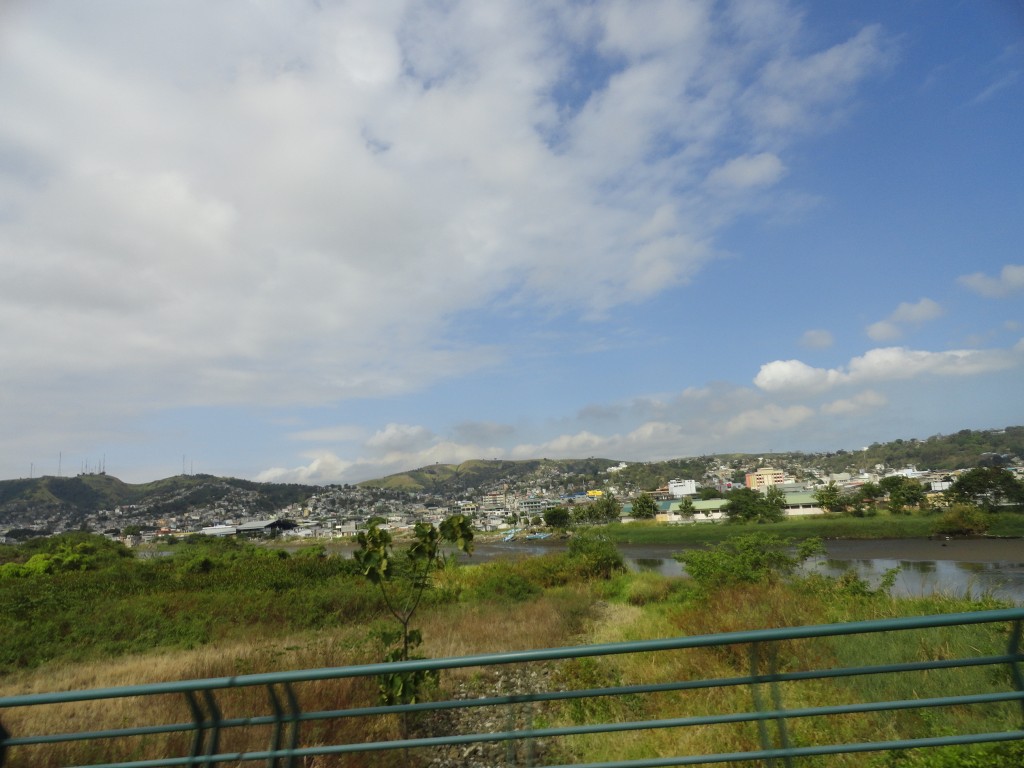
[(646, 588), (501, 582), (593, 555), (748, 559), (963, 520)]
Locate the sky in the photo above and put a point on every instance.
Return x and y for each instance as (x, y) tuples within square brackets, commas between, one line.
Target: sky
[(322, 242)]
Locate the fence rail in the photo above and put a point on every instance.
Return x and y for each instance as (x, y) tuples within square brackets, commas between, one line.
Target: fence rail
[(285, 727)]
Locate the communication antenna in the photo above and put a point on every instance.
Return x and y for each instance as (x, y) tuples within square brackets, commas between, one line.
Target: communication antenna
[(60, 462)]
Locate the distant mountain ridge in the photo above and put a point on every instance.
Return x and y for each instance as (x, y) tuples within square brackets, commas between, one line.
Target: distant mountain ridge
[(89, 493), (961, 450)]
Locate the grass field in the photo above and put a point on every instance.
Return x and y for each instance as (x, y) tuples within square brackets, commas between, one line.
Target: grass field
[(260, 612), (881, 526)]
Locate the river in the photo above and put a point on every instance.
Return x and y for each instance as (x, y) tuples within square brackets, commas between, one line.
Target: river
[(957, 566)]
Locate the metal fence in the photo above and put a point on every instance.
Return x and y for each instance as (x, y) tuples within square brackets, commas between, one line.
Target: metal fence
[(284, 733)]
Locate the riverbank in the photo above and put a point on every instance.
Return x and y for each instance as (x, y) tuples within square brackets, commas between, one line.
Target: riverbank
[(827, 527)]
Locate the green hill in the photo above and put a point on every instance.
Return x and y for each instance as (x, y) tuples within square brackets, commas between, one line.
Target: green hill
[(87, 494), (448, 479), (962, 450)]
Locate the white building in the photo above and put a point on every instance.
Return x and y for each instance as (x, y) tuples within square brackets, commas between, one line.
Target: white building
[(679, 488)]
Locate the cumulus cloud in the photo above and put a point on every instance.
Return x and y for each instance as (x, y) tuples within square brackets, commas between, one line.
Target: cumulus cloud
[(817, 339), (885, 364), (327, 467), (400, 437), (1009, 282), (794, 375), (907, 314)]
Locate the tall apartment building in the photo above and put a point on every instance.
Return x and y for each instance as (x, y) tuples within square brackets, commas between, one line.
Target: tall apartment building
[(764, 477)]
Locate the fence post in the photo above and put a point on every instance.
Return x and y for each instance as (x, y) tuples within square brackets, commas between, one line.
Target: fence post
[(1015, 650)]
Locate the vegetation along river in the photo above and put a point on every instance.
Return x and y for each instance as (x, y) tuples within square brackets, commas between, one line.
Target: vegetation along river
[(955, 566)]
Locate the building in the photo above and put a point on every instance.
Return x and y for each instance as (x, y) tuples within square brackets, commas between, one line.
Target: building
[(534, 505), (493, 501), (765, 477), (679, 488)]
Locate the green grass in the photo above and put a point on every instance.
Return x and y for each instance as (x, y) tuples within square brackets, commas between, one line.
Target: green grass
[(223, 594), (881, 526)]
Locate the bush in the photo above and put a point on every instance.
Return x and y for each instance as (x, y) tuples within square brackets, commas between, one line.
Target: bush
[(501, 582), (748, 559), (963, 520), (593, 555), (646, 588)]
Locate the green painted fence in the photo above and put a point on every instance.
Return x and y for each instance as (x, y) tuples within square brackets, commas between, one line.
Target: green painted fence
[(283, 733)]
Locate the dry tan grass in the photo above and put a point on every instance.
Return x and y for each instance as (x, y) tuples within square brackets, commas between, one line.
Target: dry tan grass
[(299, 652), (449, 630)]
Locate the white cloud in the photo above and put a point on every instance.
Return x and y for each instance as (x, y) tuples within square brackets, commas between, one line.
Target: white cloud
[(817, 339), (1006, 81), (917, 313), (794, 375), (327, 467), (400, 437), (884, 330), (249, 202), (769, 417), (794, 93), (291, 203), (867, 400), (1009, 282), (885, 364), (906, 314), (760, 170)]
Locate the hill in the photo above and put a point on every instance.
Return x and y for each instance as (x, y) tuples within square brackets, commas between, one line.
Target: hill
[(962, 450), (26, 500), (481, 475), (78, 497)]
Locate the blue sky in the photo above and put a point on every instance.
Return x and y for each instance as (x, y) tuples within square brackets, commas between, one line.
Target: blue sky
[(322, 242)]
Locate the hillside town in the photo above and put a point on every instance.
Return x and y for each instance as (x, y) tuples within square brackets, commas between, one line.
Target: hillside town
[(508, 505)]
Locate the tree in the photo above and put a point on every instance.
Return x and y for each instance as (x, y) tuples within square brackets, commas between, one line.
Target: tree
[(963, 520), (557, 517), (869, 493), (645, 507), (605, 510), (751, 558), (903, 492), (775, 503), (686, 507), (402, 582), (830, 498), (988, 487), (594, 555), (749, 506)]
